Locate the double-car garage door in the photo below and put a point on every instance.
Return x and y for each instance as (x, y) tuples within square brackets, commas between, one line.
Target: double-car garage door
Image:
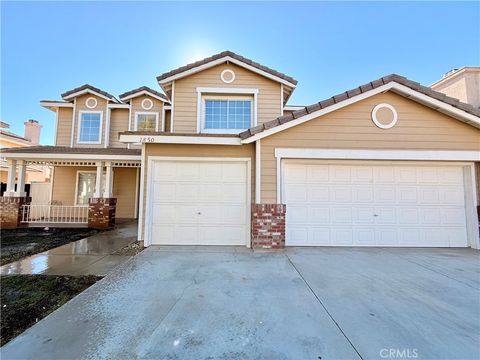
[(374, 204)]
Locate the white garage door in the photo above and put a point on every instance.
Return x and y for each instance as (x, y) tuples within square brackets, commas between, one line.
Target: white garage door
[(198, 203), (374, 205)]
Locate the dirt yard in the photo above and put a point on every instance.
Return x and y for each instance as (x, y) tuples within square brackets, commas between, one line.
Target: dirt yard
[(19, 243), (26, 299)]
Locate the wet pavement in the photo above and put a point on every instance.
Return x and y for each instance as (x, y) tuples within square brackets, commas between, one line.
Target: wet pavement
[(90, 256)]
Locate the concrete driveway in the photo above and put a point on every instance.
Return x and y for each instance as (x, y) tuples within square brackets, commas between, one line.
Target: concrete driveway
[(304, 303)]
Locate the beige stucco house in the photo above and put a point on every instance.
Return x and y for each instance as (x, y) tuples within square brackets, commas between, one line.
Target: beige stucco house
[(222, 159)]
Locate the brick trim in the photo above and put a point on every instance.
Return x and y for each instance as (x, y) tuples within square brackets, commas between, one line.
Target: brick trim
[(11, 211), (101, 212), (268, 226)]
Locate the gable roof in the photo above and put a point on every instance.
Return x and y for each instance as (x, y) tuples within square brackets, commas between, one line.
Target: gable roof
[(394, 82), (219, 58), (142, 91), (87, 88)]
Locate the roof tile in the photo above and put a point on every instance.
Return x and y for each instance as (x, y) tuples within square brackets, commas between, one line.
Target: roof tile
[(221, 55)]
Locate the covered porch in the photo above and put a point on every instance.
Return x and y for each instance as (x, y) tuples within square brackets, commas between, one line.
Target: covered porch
[(90, 187)]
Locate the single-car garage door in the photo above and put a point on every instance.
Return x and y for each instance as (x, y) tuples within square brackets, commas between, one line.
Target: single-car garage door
[(374, 205), (198, 202)]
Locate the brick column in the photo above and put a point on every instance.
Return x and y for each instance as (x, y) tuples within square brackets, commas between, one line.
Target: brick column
[(101, 212), (268, 226), (11, 210)]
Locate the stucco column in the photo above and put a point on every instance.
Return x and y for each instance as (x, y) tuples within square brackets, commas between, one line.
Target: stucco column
[(12, 171), (98, 180), (108, 180), (21, 179)]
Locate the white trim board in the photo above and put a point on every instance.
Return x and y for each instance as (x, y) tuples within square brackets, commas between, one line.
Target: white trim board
[(88, 91), (221, 61), (57, 104), (396, 87), (144, 92), (172, 139), (68, 157), (152, 159), (418, 155)]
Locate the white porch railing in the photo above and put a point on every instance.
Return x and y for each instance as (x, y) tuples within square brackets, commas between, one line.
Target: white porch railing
[(54, 214)]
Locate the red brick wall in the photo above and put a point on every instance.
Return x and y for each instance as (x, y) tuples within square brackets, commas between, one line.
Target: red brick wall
[(11, 211), (268, 226), (101, 212)]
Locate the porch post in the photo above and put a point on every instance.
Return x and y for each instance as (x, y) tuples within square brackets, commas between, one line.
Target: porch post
[(98, 180), (21, 179), (11, 203), (108, 180), (12, 170)]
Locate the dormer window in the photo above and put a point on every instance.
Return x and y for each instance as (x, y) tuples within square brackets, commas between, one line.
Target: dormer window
[(89, 127), (146, 121)]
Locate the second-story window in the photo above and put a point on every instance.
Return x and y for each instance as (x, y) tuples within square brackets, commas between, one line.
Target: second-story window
[(90, 127), (227, 115), (146, 121)]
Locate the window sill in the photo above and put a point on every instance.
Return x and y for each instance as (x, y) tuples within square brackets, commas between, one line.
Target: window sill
[(222, 131)]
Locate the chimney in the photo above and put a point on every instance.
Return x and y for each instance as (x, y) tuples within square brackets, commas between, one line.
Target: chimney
[(32, 131)]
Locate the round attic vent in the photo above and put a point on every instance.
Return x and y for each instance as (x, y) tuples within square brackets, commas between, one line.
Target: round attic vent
[(147, 104), (91, 103), (227, 76), (384, 116)]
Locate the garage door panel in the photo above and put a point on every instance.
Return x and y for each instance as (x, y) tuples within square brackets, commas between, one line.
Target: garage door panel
[(386, 237), (298, 214), (233, 172), (374, 205), (165, 191), (341, 215), (296, 193), (222, 235), (317, 193), (385, 215), (341, 174), (364, 215), (384, 174), (341, 194), (384, 194), (365, 236), (199, 203), (406, 194), (408, 216), (363, 194), (362, 174), (405, 175), (452, 176), (342, 236)]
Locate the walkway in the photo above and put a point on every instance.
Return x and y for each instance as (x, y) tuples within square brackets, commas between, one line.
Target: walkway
[(90, 256)]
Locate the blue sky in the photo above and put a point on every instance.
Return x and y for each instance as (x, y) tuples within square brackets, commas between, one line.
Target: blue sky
[(48, 48)]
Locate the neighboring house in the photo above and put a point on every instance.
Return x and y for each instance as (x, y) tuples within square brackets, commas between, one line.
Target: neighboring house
[(221, 159), (31, 137), (462, 84)]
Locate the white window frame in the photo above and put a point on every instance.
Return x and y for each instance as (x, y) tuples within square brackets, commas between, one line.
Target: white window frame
[(146, 113), (224, 93), (76, 185), (80, 113), (224, 98)]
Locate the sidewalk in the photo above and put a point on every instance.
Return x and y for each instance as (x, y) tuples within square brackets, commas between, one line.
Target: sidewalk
[(90, 256)]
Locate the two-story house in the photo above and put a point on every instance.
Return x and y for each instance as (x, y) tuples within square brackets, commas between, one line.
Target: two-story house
[(221, 159)]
